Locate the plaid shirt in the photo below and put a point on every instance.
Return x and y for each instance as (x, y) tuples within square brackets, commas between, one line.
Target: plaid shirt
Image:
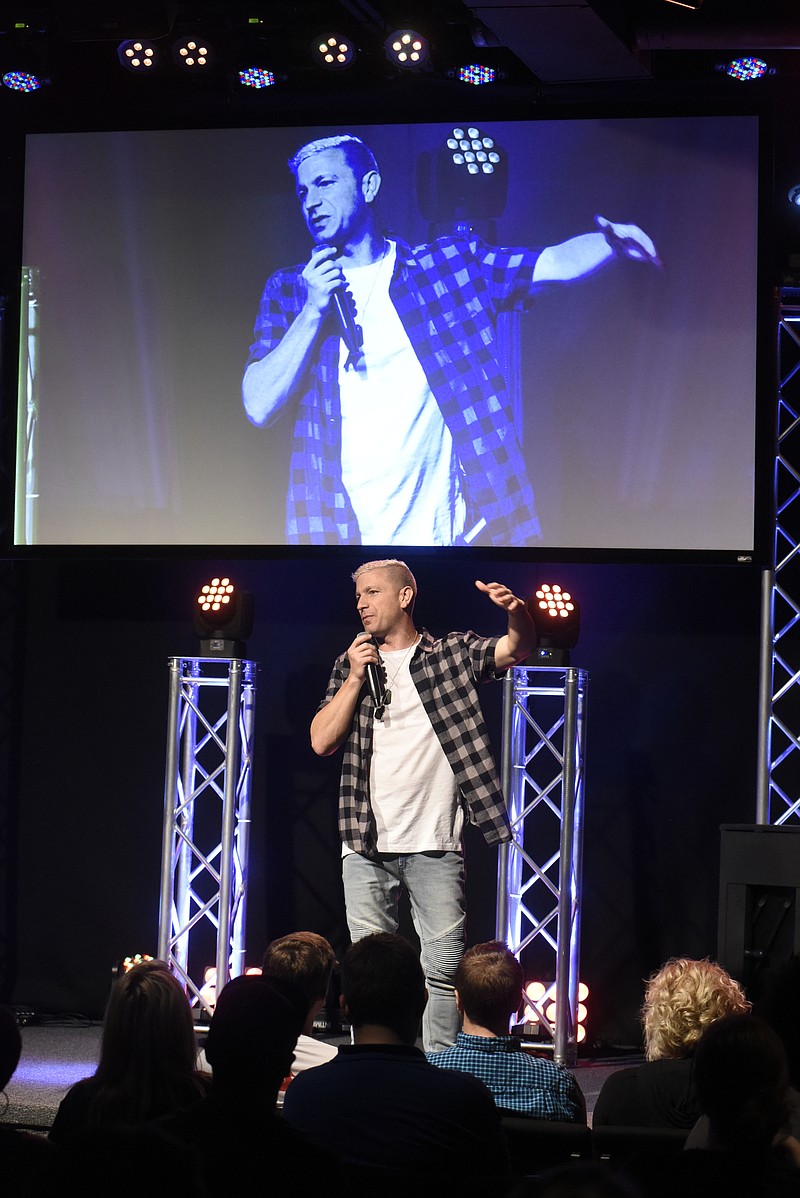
[(447, 295), (518, 1081), (446, 673)]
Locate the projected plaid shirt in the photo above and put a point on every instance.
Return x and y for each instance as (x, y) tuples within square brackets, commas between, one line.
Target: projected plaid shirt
[(448, 295), (446, 674), (518, 1081)]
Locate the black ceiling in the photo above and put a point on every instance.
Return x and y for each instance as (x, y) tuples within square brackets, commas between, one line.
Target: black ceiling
[(553, 54), (562, 43)]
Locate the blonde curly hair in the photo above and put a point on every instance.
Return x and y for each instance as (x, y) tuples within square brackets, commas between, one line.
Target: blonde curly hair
[(682, 998)]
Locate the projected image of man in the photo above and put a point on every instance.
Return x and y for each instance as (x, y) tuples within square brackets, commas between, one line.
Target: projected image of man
[(387, 354)]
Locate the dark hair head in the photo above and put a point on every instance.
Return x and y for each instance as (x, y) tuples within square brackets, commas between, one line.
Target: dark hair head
[(148, 1049), (254, 1031), (489, 982), (10, 1046), (303, 958), (383, 984), (742, 1083)]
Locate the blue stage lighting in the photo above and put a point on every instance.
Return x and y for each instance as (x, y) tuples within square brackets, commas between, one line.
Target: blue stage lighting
[(257, 77), (476, 74), (745, 69), (22, 81)]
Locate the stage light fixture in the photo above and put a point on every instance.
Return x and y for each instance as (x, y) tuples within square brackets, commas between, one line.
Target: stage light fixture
[(223, 618), (745, 70), (477, 74), (794, 195), (477, 154), (557, 616), (257, 77), (23, 81), (333, 52), (127, 963), (541, 1002), (138, 55), (407, 49), (193, 53)]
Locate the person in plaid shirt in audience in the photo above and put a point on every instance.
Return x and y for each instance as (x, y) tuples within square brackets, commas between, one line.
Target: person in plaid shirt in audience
[(489, 984), (388, 355), (416, 760)]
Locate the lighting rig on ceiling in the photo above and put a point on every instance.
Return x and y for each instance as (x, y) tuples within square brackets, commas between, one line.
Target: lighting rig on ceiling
[(243, 52)]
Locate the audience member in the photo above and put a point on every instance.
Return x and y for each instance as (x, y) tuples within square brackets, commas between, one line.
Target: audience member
[(778, 1007), (682, 999), (742, 1087), (380, 1102), (123, 1160), (236, 1133), (307, 960), (21, 1152), (147, 1056), (489, 983)]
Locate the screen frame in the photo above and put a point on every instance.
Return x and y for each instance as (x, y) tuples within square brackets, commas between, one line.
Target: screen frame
[(764, 403)]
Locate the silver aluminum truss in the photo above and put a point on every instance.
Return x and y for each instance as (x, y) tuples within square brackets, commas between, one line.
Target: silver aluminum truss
[(539, 871), (778, 800), (206, 820)]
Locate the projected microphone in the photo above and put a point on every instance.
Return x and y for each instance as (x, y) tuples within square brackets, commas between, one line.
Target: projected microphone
[(346, 315), (345, 310)]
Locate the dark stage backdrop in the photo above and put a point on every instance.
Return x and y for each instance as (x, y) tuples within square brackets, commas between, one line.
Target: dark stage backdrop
[(672, 653)]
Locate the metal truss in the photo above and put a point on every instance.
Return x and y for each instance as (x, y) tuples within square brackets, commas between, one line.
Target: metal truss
[(539, 872), (779, 769), (206, 821), (26, 490)]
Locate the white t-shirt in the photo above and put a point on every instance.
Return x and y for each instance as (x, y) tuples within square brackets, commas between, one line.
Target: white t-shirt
[(413, 791), (399, 465)]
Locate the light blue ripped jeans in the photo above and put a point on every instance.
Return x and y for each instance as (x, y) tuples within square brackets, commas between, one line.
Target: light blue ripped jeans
[(435, 886)]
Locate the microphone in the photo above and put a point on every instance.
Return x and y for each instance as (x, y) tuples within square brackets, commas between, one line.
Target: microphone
[(375, 684), (346, 316), (345, 309)]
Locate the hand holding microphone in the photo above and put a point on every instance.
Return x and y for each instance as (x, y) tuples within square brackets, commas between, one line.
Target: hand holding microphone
[(326, 284), (364, 649)]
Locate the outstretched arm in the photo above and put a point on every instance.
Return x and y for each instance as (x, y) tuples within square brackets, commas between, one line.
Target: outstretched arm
[(586, 253), (520, 639)]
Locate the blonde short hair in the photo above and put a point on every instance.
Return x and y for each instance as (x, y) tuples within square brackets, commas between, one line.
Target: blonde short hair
[(404, 576), (682, 999)]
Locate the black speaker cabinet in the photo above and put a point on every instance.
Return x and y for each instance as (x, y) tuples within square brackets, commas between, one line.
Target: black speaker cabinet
[(759, 889)]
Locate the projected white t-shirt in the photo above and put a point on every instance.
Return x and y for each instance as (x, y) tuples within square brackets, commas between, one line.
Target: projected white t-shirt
[(399, 465)]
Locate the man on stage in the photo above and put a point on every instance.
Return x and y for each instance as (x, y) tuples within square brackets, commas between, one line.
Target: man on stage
[(388, 355), (417, 758)]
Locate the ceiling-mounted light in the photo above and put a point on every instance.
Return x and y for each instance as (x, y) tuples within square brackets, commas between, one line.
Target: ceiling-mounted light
[(257, 77), (333, 51), (746, 69), (193, 53), (407, 49), (138, 55), (23, 81), (477, 74)]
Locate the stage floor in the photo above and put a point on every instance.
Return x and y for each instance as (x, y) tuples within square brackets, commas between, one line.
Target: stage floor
[(55, 1056)]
